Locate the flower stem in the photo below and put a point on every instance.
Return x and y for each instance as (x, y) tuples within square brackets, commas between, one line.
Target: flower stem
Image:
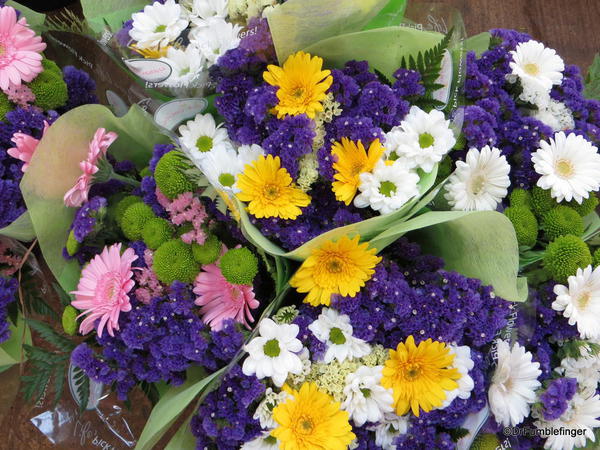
[(124, 179)]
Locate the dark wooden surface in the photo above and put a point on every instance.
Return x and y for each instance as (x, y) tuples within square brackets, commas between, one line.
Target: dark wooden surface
[(571, 27)]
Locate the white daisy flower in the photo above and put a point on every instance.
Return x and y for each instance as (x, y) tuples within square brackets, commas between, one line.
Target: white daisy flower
[(464, 363), (421, 140), (365, 399), (580, 302), (274, 353), (586, 370), (556, 115), (215, 38), (387, 188), (221, 167), (247, 154), (264, 442), (389, 429), (569, 166), (538, 67), (513, 384), (480, 182), (186, 65), (264, 411), (158, 24), (202, 135), (335, 331), (202, 11), (581, 414)]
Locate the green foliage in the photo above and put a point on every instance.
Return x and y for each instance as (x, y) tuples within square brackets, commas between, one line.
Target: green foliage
[(561, 221), (46, 364), (5, 105), (173, 261), (596, 258), (116, 210), (82, 385), (565, 255), (239, 266), (209, 252), (487, 441), (134, 219), (520, 197), (156, 232), (592, 80), (69, 320), (72, 245), (170, 175), (541, 201), (429, 65), (525, 223), (577, 349), (586, 207), (49, 88)]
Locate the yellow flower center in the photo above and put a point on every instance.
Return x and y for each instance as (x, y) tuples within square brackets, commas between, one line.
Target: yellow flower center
[(306, 424), (478, 184), (271, 191), (298, 92), (564, 168), (583, 300), (334, 265), (412, 371), (532, 69)]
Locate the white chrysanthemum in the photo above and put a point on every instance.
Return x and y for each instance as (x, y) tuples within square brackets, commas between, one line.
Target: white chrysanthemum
[(202, 11), (221, 167), (421, 140), (538, 67), (580, 302), (569, 166), (186, 65), (215, 38), (389, 429), (480, 182), (365, 399), (158, 24), (556, 115), (581, 414), (586, 370), (202, 135), (242, 10), (274, 353), (264, 442), (264, 411), (513, 384), (464, 363), (335, 330), (387, 188), (247, 154)]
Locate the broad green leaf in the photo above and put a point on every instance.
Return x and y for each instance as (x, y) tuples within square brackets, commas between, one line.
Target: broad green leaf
[(21, 229), (10, 350), (591, 223), (296, 24), (367, 229), (592, 80), (55, 168), (171, 405), (113, 12), (480, 245), (183, 439), (383, 48), (392, 14), (34, 19), (478, 43)]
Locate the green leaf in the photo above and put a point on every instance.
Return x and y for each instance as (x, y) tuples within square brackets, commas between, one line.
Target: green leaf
[(112, 12), (171, 405), (592, 80), (591, 224), (82, 386), (392, 14), (34, 19), (480, 245), (60, 152), (10, 350), (21, 229), (183, 439), (478, 43), (50, 336)]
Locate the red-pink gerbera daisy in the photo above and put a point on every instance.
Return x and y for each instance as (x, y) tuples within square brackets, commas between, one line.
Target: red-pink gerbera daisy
[(220, 300), (78, 194), (25, 146), (102, 292), (20, 50)]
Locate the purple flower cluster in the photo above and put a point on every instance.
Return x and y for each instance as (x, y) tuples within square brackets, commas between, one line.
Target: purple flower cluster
[(81, 88), (158, 341), (495, 117), (86, 217), (555, 399), (8, 294), (224, 419)]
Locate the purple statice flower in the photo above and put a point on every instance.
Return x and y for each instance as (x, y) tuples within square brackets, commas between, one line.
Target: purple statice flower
[(479, 127), (139, 248), (290, 138), (556, 397), (408, 83), (258, 39), (11, 202), (359, 70), (379, 102), (421, 436), (344, 88), (224, 419), (8, 294), (86, 217), (148, 192), (260, 101), (80, 86)]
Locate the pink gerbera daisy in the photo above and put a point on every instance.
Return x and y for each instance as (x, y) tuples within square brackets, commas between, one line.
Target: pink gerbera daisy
[(78, 194), (25, 146), (221, 300), (103, 288), (20, 50)]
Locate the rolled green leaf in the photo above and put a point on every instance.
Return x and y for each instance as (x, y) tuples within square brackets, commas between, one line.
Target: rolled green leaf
[(113, 12), (10, 350), (21, 229)]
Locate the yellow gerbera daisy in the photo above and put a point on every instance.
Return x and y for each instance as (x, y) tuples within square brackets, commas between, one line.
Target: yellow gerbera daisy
[(419, 375), (311, 420), (351, 160), (269, 189), (302, 85), (340, 267)]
